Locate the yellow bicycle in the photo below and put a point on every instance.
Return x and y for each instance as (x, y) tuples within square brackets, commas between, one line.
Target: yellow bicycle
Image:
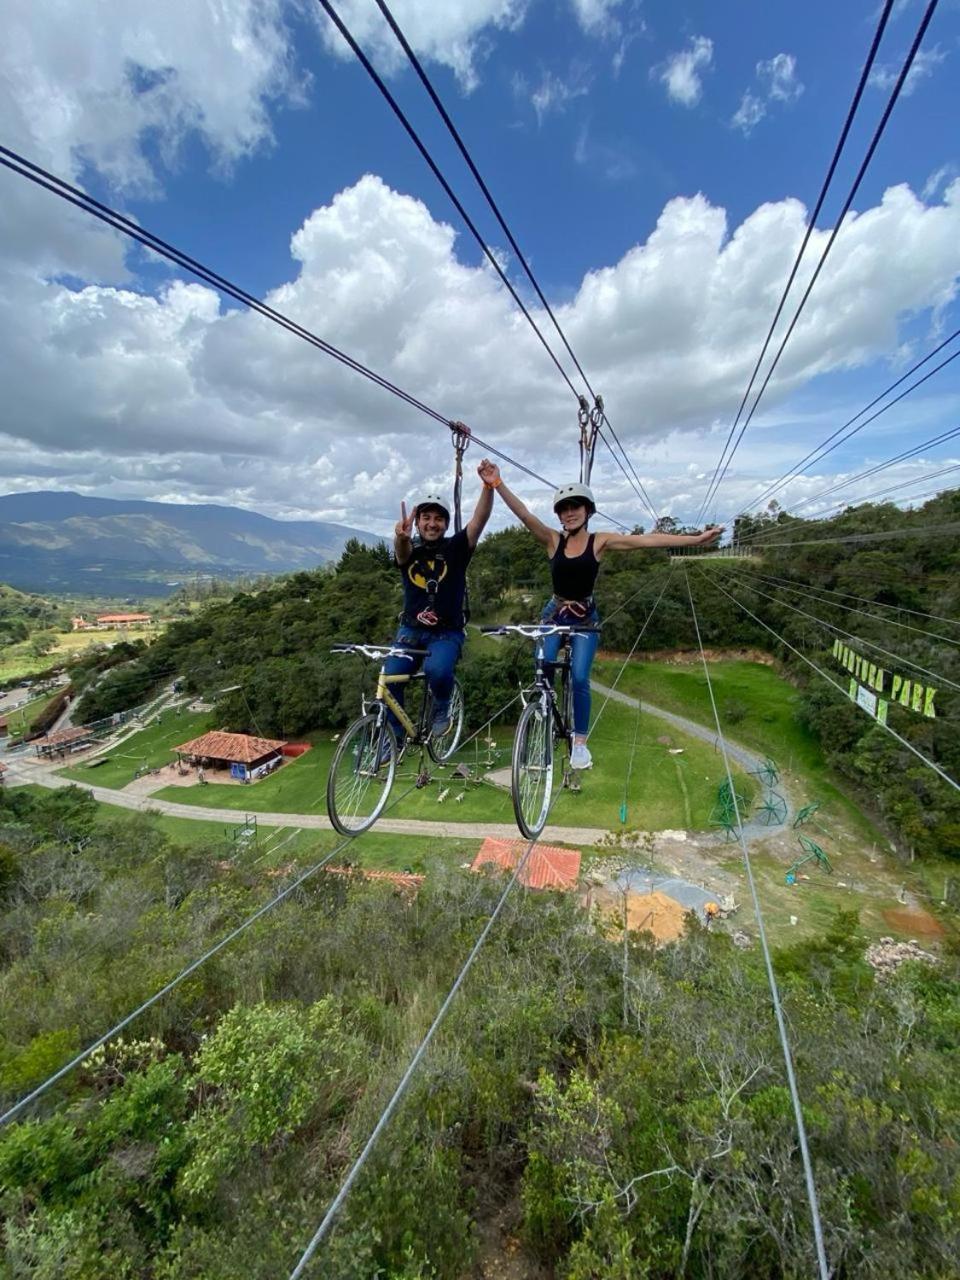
[(365, 762)]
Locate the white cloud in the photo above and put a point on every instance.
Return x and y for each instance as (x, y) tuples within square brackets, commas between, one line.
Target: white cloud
[(749, 114), (939, 178), (112, 391), (681, 73), (779, 74), (778, 82), (596, 17), (553, 92), (452, 34), (91, 84), (924, 64)]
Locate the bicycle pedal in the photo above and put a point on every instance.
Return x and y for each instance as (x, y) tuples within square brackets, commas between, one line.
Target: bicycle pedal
[(423, 780)]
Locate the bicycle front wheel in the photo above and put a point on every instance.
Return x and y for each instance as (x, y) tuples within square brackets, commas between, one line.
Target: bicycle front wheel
[(442, 748), (361, 775), (531, 781)]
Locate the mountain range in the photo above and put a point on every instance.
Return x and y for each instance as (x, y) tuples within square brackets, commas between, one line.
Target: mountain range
[(65, 542)]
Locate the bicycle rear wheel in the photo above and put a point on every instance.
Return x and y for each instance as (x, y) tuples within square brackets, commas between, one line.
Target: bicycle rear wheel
[(531, 782), (442, 748), (361, 775)]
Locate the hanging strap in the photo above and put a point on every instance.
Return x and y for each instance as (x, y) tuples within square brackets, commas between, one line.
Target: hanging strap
[(589, 421), (461, 440)]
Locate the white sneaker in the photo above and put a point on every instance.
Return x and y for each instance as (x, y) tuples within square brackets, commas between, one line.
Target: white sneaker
[(580, 757)]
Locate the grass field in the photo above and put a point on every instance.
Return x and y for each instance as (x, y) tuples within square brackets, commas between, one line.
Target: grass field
[(665, 790), (17, 662), (149, 749), (757, 709), (19, 721)]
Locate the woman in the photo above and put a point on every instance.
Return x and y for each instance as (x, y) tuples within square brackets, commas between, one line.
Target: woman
[(575, 556)]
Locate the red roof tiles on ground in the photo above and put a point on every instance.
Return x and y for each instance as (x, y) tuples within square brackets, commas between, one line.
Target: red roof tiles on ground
[(547, 867), (239, 748)]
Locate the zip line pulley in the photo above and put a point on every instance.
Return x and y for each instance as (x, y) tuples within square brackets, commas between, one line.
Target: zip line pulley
[(589, 421)]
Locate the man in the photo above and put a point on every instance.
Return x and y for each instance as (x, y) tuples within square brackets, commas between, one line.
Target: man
[(434, 574)]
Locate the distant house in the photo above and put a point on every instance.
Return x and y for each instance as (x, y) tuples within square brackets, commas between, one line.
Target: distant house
[(105, 621), (245, 756), (63, 741), (548, 867)]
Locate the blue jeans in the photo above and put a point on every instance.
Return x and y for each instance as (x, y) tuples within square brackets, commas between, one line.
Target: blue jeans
[(443, 653), (582, 651)]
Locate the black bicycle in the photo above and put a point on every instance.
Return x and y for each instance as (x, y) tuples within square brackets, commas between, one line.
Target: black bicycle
[(365, 762), (545, 722)]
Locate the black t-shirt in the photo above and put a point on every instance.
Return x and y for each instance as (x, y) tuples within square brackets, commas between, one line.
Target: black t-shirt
[(435, 577)]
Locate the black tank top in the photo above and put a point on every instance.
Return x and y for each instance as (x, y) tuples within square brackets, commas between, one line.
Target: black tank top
[(574, 576)]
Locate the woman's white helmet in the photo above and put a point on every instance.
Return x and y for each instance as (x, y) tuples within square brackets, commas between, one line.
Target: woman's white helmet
[(575, 493), (431, 500)]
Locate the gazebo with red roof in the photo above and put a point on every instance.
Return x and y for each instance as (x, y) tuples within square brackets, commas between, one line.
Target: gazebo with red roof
[(548, 866), (246, 757)]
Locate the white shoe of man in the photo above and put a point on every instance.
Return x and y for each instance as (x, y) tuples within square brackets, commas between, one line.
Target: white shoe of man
[(580, 757)]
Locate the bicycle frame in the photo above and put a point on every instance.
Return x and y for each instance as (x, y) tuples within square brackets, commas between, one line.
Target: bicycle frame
[(389, 702), (544, 687)]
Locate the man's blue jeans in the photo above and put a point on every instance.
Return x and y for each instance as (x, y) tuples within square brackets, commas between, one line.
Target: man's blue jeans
[(443, 653), (583, 648)]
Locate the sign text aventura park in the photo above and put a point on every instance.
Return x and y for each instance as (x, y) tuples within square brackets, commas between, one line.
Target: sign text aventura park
[(868, 682)]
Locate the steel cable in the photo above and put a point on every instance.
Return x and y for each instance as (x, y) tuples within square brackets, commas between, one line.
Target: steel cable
[(831, 170), (771, 977), (848, 202)]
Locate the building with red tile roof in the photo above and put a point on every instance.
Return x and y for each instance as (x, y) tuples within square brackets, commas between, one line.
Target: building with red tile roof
[(548, 867), (246, 756), (64, 740)]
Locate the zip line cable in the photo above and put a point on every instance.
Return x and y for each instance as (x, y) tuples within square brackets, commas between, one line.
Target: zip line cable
[(633, 649), (458, 205), (904, 484), (815, 454), (830, 680), (637, 483), (904, 456), (830, 626), (397, 110), (462, 147), (881, 127), (169, 986), (880, 536), (58, 186), (902, 608), (771, 977), (345, 1187), (785, 585), (831, 170), (118, 222), (212, 951)]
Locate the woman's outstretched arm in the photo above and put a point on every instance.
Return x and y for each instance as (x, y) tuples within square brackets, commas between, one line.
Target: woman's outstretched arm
[(490, 475)]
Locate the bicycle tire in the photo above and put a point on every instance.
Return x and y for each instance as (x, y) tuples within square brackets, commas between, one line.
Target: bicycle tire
[(361, 774), (442, 748), (531, 773)]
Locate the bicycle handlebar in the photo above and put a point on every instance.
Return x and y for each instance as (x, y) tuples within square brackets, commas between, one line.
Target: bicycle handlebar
[(377, 652), (535, 631)]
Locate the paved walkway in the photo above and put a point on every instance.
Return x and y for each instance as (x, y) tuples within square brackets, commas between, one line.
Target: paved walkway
[(44, 776)]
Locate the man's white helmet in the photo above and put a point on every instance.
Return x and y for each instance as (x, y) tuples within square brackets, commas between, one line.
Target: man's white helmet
[(575, 493), (431, 500)]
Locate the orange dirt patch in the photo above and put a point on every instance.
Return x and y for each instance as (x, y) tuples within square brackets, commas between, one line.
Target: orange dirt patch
[(914, 921), (646, 913)]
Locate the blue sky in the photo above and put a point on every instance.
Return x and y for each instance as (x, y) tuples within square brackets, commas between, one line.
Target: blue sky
[(588, 119)]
